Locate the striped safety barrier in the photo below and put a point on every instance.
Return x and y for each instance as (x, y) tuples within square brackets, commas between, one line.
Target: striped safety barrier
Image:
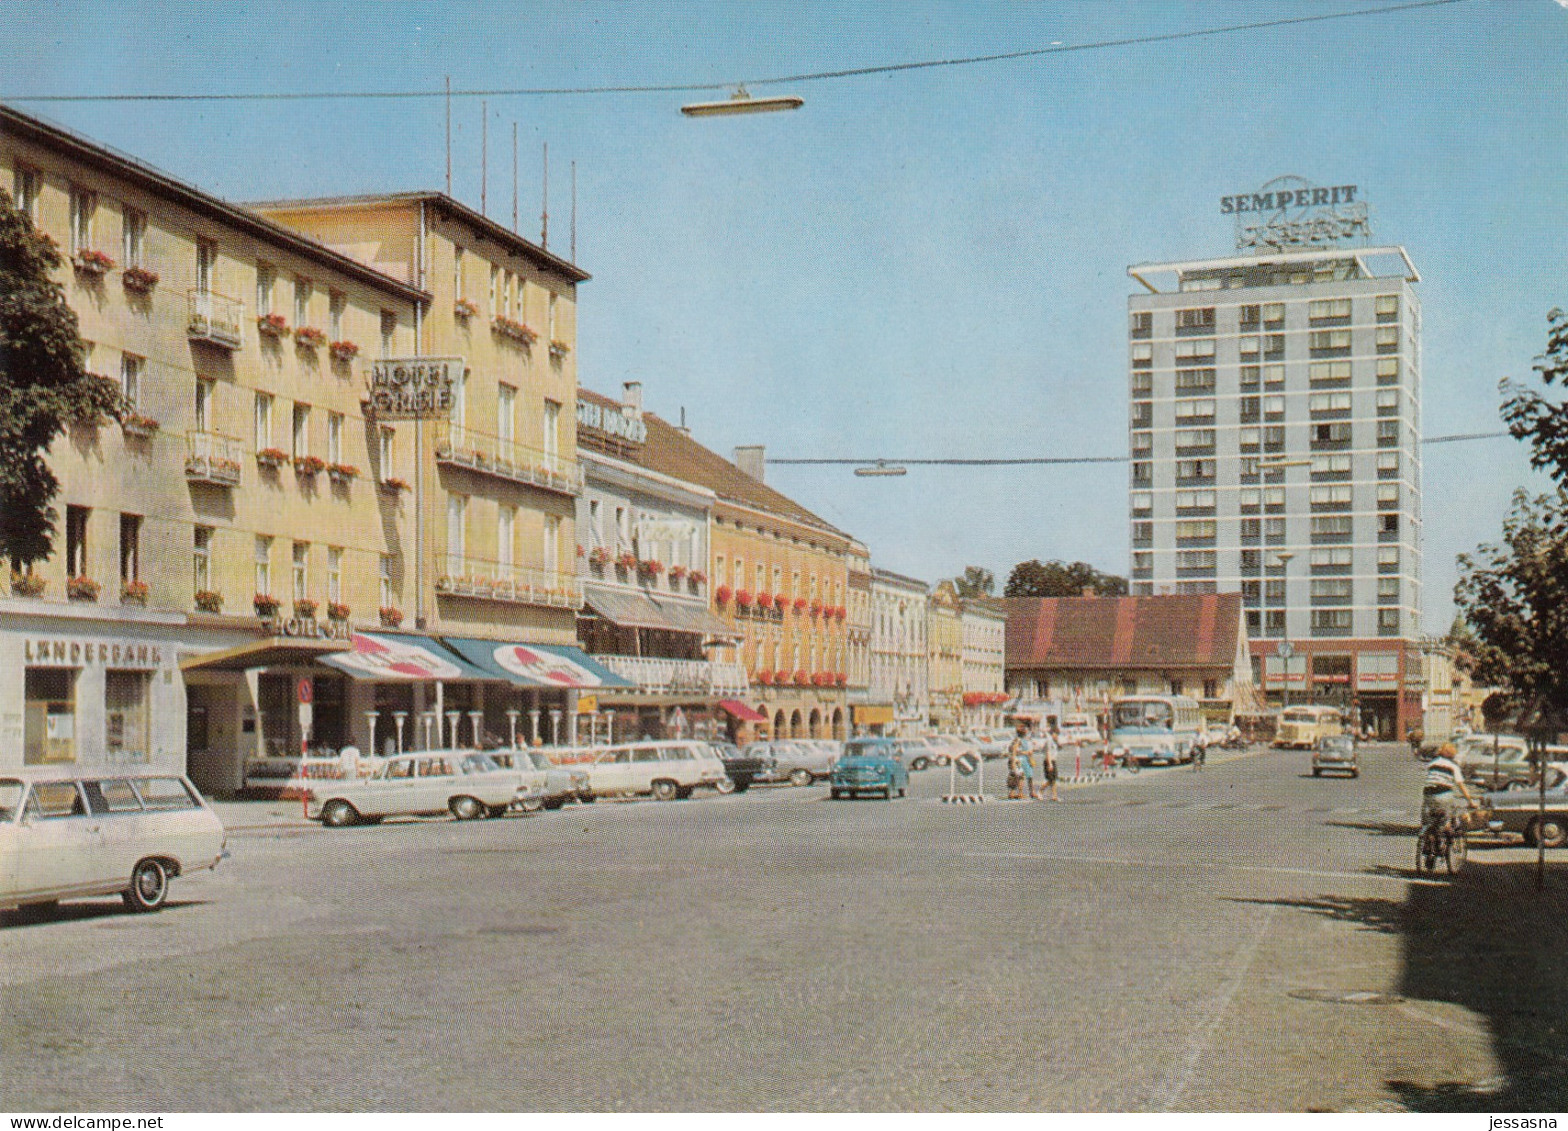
[(964, 798)]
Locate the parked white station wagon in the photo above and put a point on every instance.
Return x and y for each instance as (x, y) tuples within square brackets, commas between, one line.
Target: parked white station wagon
[(65, 836), (665, 769)]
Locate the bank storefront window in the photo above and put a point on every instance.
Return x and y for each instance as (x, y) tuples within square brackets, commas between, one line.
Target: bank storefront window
[(125, 713), (50, 710)]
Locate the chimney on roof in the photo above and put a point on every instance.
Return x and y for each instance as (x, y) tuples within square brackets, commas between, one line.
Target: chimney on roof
[(633, 397), (751, 460)]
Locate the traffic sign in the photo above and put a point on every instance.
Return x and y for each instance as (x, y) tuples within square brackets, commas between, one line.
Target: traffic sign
[(304, 690), (967, 763), (1284, 650)]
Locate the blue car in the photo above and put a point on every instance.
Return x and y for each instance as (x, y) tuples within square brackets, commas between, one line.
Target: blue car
[(869, 765)]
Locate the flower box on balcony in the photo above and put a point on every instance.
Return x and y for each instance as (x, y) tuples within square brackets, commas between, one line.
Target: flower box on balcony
[(764, 678), (92, 262), (677, 572), (137, 426), (816, 608), (305, 609), (743, 598), (344, 351), (465, 308), (764, 600), (800, 604), (209, 600), (272, 457), (134, 592), (273, 324), (390, 616), (27, 585), (513, 330), (309, 465), (723, 594), (392, 485), (265, 604), (337, 610), (698, 577), (139, 279), (559, 349), (309, 337), (840, 679), (627, 561), (650, 567), (802, 679), (599, 557), (81, 588), (342, 472)]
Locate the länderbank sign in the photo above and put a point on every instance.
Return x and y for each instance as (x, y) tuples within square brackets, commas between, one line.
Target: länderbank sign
[(1290, 212)]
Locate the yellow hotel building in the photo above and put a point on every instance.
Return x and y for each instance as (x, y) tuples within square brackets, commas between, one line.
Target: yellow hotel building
[(218, 551)]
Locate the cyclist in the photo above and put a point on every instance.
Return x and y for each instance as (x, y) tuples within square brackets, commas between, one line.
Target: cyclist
[(1444, 793)]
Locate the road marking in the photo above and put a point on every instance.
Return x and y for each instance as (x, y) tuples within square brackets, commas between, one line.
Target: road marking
[(1122, 862), (1205, 1037)]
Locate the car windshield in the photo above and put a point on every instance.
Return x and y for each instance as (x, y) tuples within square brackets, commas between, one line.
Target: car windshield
[(479, 764), (10, 799), (1339, 744)]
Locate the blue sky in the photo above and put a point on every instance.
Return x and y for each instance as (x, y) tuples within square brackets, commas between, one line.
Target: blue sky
[(922, 264)]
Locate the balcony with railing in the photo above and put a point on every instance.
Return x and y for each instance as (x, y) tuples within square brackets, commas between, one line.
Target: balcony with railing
[(460, 446), (211, 458), (656, 675), (499, 581), (215, 319)]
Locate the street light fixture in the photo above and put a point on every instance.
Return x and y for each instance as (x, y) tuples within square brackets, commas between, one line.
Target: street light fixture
[(882, 467), (741, 102)]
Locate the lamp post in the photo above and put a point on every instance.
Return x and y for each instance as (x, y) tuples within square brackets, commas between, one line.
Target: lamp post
[(1284, 649)]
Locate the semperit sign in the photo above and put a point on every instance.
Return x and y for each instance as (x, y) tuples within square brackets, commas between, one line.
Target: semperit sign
[(1291, 212), (409, 388)]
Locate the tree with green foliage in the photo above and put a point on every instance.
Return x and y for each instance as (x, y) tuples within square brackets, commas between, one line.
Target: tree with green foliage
[(1035, 578), (1514, 594), (975, 582), (43, 385)]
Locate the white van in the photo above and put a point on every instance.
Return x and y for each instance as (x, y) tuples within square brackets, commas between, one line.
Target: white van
[(76, 836), (665, 769)]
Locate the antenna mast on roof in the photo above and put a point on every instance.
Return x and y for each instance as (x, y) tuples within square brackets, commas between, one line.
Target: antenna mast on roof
[(544, 217)]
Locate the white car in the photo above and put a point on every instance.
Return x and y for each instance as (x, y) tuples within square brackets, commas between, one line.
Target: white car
[(556, 785), (667, 770), (66, 836), (1078, 730), (467, 783)]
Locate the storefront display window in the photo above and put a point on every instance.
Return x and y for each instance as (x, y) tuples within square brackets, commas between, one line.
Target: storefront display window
[(50, 728), (126, 714)]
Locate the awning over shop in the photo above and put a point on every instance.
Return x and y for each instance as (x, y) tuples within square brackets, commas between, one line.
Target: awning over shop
[(740, 712), (272, 651), (386, 657), (872, 714), (642, 610), (535, 665)]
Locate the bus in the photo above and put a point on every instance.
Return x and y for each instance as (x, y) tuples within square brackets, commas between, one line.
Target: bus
[(1301, 727), (1156, 728)]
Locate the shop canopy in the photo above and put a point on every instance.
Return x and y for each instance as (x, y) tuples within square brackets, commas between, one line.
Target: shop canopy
[(740, 712), (272, 651), (386, 657), (535, 665), (643, 610)]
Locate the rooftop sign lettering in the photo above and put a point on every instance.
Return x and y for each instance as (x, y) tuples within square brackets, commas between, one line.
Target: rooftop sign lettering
[(1291, 213), (621, 425)]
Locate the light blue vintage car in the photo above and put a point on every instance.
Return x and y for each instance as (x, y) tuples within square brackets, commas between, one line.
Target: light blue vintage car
[(869, 765)]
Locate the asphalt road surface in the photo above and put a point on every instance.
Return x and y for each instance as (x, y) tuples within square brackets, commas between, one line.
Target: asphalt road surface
[(1243, 938)]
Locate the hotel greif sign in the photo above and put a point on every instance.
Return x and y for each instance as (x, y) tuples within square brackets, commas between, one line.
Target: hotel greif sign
[(408, 388), (1290, 212)]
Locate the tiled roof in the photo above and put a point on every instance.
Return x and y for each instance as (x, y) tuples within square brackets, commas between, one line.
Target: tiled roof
[(1123, 632), (670, 451)]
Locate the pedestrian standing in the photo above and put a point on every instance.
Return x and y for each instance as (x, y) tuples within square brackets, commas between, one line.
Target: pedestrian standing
[(1050, 752), (1017, 759)]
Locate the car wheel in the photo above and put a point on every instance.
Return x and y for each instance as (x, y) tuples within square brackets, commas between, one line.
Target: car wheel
[(742, 787), (801, 776), (587, 797), (531, 804), (836, 794), (684, 792), (725, 785), (903, 791), (1515, 786), (338, 814), (467, 808), (1317, 773), (149, 886), (1549, 831), (665, 790), (919, 764)]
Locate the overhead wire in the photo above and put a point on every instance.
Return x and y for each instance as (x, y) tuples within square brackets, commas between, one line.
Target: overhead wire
[(681, 88)]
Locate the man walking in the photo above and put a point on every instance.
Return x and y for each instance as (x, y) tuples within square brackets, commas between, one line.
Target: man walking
[(1050, 750)]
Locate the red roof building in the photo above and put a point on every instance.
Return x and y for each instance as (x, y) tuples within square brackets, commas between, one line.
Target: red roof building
[(1081, 652)]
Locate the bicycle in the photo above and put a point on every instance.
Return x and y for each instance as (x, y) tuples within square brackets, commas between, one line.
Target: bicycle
[(1442, 838)]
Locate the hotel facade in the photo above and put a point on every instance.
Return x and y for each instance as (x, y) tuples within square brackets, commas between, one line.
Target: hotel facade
[(1275, 441)]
